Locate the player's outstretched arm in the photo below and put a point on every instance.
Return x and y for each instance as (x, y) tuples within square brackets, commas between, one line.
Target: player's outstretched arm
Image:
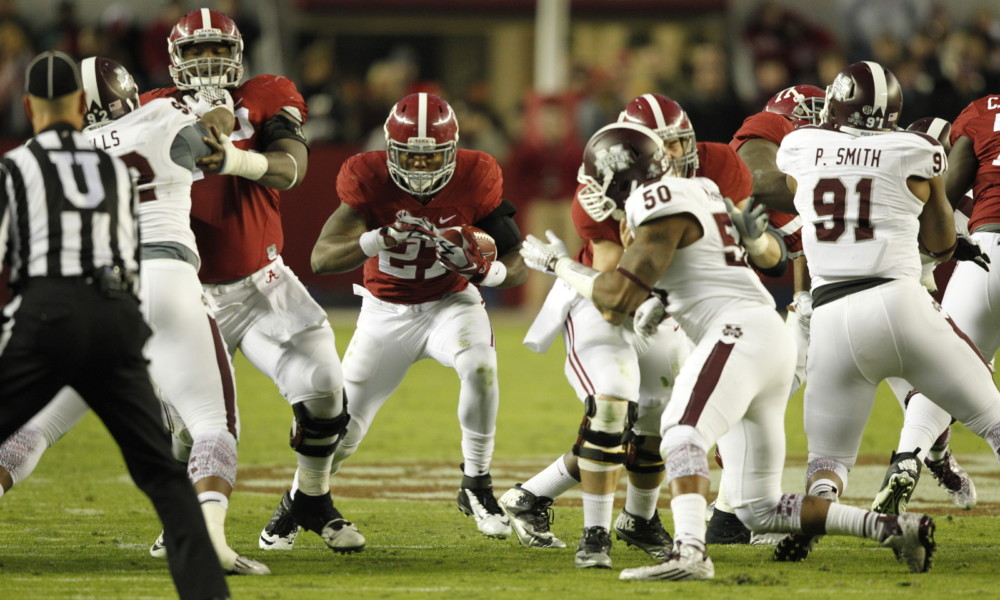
[(769, 185), (937, 221), (338, 249)]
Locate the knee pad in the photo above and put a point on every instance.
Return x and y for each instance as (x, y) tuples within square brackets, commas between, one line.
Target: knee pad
[(642, 460), (20, 453), (478, 362), (685, 451), (312, 435), (602, 433), (213, 454), (312, 370), (648, 414), (772, 514)]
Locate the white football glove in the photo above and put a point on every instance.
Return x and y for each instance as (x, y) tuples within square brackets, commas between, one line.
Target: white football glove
[(648, 316), (801, 308), (404, 230), (751, 224), (208, 99), (541, 256)]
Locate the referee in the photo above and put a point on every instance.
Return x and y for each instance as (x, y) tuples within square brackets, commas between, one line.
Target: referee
[(68, 212)]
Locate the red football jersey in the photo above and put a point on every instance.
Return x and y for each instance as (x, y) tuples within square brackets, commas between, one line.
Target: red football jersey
[(237, 222), (980, 122), (715, 161), (411, 274), (773, 128)]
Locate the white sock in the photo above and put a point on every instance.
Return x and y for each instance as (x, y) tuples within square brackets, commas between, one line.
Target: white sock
[(477, 452), (850, 520), (553, 481), (641, 502), (215, 520), (689, 519), (312, 482), (824, 488), (597, 509)]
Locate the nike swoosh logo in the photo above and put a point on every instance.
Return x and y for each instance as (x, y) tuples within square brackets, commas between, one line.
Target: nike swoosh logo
[(444, 220)]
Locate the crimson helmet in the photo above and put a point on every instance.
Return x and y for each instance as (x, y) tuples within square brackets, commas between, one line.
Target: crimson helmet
[(800, 104), (619, 158), (864, 99), (109, 90), (935, 127), (669, 121), (196, 27), (421, 123)]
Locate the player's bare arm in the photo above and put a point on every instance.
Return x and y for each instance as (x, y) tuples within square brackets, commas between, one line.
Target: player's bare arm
[(337, 250), (282, 166), (606, 257), (962, 165), (648, 257), (937, 221), (517, 271), (769, 185)]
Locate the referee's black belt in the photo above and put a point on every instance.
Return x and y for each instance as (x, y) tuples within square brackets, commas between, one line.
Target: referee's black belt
[(109, 280)]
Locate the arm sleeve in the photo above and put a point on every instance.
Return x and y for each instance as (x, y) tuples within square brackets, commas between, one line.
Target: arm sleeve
[(189, 145), (501, 227)]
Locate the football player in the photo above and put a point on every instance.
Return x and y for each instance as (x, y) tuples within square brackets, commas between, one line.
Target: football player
[(869, 197), (965, 301), (261, 307), (687, 241), (420, 297), (202, 404), (613, 370), (756, 142)]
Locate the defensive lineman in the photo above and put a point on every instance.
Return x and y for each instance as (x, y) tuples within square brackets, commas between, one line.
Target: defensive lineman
[(686, 244)]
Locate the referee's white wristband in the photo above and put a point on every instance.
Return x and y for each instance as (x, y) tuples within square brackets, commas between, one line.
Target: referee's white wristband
[(579, 277), (371, 242), (496, 275)]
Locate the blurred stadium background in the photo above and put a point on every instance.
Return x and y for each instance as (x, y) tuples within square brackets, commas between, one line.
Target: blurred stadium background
[(530, 79)]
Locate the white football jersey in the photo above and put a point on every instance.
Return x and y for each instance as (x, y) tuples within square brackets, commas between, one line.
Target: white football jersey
[(859, 218), (142, 139), (711, 274)]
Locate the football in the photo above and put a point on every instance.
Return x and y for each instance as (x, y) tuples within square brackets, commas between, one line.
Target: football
[(485, 241)]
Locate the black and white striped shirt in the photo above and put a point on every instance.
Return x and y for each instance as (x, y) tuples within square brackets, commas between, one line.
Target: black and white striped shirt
[(67, 209)]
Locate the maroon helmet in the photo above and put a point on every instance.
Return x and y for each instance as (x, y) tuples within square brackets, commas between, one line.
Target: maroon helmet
[(800, 104), (935, 127), (619, 158), (421, 124), (669, 121), (196, 27), (109, 90), (864, 98)]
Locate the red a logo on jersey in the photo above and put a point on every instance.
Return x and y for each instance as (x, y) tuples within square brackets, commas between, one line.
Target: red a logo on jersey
[(271, 276)]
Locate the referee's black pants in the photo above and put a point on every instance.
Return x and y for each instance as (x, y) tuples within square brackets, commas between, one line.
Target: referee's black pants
[(66, 331)]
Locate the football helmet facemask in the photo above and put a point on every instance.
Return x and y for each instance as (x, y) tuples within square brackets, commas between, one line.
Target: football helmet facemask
[(666, 117), (109, 90), (864, 99), (205, 25), (800, 104), (421, 135), (618, 159)]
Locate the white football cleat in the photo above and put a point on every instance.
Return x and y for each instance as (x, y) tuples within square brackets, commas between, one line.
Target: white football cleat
[(913, 541), (158, 549), (530, 517), (953, 478), (687, 563), (475, 499)]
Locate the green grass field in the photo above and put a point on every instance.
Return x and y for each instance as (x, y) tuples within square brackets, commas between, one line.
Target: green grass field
[(79, 529)]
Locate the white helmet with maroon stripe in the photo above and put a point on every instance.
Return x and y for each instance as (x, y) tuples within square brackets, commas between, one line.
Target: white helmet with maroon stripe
[(109, 90), (936, 127), (421, 135), (200, 26), (864, 99), (666, 117)]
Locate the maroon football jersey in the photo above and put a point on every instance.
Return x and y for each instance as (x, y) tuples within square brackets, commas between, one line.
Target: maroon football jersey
[(773, 128), (237, 222), (715, 161), (411, 274), (980, 122)]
